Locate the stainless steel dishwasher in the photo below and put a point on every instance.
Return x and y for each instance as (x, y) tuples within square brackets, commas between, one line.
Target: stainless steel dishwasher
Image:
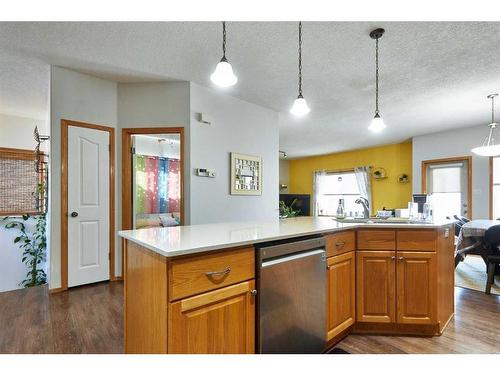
[(291, 305)]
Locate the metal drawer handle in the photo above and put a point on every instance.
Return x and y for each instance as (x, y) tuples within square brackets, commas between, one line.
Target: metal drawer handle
[(340, 244), (393, 257), (401, 258), (219, 273)]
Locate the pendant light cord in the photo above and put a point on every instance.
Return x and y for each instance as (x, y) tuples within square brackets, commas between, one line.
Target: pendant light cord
[(300, 59), (224, 41), (376, 76)]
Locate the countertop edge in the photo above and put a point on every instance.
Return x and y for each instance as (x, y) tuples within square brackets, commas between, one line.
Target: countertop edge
[(228, 245)]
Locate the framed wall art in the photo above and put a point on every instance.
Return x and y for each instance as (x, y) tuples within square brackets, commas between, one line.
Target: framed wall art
[(246, 174)]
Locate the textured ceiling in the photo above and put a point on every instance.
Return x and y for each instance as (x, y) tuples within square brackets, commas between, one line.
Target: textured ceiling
[(24, 86), (434, 76)]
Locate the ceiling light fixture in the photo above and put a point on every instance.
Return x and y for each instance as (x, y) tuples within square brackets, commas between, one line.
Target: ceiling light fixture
[(223, 75), (377, 124), (300, 107), (488, 147)]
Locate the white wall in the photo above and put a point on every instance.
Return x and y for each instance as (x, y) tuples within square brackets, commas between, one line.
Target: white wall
[(240, 127), (458, 142), (79, 97), (284, 175), (15, 132), (149, 105)]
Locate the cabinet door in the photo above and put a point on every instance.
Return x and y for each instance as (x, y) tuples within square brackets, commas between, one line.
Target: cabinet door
[(376, 286), (221, 321), (341, 293), (416, 287)]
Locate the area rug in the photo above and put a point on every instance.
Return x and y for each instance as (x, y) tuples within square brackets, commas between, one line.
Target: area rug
[(471, 274)]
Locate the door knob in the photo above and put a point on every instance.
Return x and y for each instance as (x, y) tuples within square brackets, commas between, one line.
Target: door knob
[(74, 214)]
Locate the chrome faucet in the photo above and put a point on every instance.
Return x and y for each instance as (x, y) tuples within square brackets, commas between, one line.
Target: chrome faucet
[(366, 206)]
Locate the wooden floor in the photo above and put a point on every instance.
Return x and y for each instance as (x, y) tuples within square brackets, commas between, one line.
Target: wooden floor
[(86, 319), (474, 329), (89, 319)]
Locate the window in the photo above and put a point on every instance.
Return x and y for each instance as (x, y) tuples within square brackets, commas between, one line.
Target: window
[(447, 183), (334, 186), (495, 187), (20, 179)]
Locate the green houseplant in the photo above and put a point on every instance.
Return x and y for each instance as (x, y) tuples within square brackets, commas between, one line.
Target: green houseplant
[(33, 243), (288, 211)]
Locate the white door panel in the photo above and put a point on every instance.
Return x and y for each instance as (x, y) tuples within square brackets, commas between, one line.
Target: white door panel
[(88, 197)]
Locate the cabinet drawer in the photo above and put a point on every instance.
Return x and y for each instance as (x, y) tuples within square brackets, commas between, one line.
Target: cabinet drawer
[(417, 240), (339, 243), (202, 273), (376, 240)]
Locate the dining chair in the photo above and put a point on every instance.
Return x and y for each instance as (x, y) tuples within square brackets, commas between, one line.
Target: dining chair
[(463, 219), (492, 240)]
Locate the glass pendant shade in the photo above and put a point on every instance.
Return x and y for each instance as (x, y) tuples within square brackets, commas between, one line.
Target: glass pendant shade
[(377, 124), (488, 147), (223, 75), (300, 107)]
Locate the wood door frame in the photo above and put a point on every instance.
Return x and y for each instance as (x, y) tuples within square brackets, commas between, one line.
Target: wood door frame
[(65, 124), (468, 159), (127, 134)]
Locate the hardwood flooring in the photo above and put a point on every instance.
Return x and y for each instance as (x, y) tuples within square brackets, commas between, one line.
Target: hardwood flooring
[(89, 319), (85, 319), (475, 328)]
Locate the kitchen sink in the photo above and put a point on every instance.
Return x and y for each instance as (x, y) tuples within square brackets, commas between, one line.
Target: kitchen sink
[(377, 220)]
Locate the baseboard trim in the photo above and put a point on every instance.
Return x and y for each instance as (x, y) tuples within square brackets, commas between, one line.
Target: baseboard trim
[(57, 290)]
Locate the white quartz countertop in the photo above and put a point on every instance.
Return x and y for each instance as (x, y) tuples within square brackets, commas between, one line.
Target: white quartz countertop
[(191, 239)]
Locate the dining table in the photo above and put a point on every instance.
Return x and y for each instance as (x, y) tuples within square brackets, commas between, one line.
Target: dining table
[(471, 240)]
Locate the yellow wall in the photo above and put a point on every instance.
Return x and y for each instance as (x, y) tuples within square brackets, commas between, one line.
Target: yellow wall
[(396, 159)]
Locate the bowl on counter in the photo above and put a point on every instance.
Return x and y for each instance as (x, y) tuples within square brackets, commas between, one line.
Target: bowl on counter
[(384, 214)]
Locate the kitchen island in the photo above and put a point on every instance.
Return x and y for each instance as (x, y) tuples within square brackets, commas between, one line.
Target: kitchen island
[(192, 289)]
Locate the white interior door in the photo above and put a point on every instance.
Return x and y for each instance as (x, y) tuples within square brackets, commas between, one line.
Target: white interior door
[(88, 206)]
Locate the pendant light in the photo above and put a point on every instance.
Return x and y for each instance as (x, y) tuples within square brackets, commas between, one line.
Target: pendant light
[(300, 107), (488, 147), (223, 75), (377, 124)]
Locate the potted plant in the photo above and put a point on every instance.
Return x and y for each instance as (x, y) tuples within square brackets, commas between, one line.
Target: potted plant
[(288, 211)]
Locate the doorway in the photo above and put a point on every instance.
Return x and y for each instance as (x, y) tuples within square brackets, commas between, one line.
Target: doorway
[(87, 204), (152, 177), (448, 182)]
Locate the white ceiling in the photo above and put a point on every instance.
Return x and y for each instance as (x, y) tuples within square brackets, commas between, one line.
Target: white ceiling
[(434, 76)]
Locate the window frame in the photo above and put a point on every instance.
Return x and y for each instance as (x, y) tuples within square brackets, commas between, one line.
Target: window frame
[(337, 172), (468, 159)]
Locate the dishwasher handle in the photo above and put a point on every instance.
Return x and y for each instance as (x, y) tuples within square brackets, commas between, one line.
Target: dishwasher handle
[(282, 249), (283, 259)]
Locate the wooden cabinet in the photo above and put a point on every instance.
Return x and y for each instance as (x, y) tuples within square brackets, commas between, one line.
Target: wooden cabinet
[(416, 287), (417, 240), (339, 243), (221, 321), (202, 273), (375, 294), (341, 293), (369, 239)]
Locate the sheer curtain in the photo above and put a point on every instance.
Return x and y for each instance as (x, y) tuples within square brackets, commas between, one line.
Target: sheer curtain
[(318, 176), (364, 184)]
